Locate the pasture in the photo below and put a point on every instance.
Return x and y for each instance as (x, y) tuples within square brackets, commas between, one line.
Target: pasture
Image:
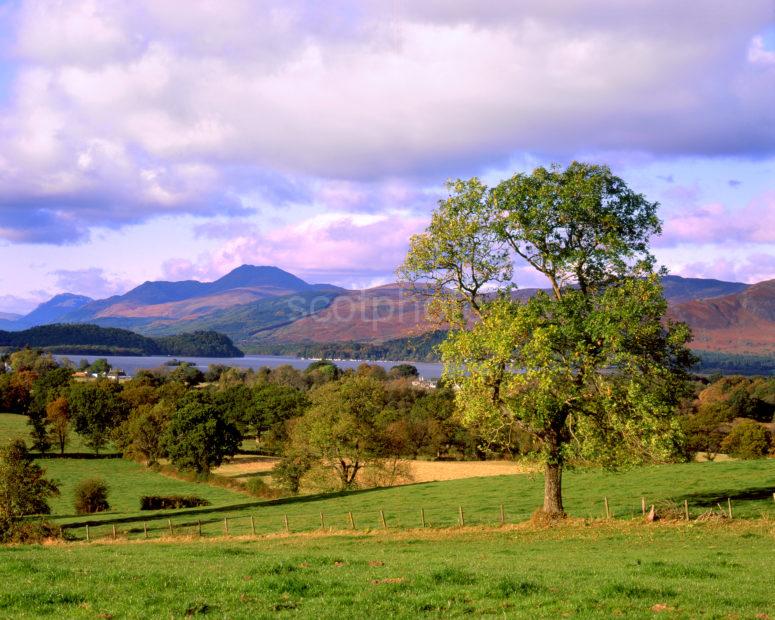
[(624, 569)]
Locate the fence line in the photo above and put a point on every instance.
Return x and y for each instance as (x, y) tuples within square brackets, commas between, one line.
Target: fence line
[(409, 517)]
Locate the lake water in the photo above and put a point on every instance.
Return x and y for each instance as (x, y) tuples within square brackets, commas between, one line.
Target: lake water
[(130, 365)]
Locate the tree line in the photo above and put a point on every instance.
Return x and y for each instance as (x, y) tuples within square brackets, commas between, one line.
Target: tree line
[(85, 339)]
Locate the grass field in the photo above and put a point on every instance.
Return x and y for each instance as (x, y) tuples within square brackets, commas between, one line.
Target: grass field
[(127, 481), (585, 567), (748, 484), (616, 569), (14, 425)]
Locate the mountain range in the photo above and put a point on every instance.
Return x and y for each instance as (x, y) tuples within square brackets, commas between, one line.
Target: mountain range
[(262, 307)]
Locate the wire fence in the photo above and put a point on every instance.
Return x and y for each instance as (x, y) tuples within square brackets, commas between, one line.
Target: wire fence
[(274, 520)]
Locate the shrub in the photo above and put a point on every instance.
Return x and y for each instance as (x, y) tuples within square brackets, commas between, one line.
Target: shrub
[(291, 469), (256, 486), (167, 502), (25, 532), (747, 440), (91, 495)]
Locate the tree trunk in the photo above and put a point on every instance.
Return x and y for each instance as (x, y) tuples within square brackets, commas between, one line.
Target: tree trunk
[(553, 489)]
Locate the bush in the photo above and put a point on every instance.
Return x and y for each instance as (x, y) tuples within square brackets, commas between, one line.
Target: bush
[(91, 495), (25, 532), (747, 440), (167, 502), (256, 486)]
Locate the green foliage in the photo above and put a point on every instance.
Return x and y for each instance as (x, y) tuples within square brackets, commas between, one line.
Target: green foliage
[(171, 502), (339, 430), (198, 436), (23, 488), (85, 339), (90, 496), (141, 435), (198, 344), (292, 468), (747, 440), (591, 371), (96, 409), (739, 363), (421, 348), (403, 371)]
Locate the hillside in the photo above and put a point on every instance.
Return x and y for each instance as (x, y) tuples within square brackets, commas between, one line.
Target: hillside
[(77, 339), (742, 322), (264, 309)]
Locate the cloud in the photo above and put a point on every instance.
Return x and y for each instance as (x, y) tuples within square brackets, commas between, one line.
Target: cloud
[(717, 224), (340, 248), (121, 112), (93, 282), (753, 268), (21, 305)]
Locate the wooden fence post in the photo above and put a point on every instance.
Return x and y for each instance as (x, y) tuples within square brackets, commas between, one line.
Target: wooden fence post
[(461, 518), (322, 521), (352, 521), (607, 510), (729, 505), (422, 517), (87, 533), (145, 530), (382, 518), (114, 532), (226, 526), (686, 509), (169, 524), (285, 521), (502, 516), (643, 506), (252, 525)]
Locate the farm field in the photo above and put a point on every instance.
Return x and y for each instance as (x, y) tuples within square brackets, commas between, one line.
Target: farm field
[(713, 570), (747, 484), (246, 466)]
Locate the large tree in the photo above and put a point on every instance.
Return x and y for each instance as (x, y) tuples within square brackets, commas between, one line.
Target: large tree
[(591, 369), (198, 436), (339, 430), (96, 409)]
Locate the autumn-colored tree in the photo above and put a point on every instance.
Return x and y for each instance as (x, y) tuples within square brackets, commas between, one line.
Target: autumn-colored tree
[(58, 416)]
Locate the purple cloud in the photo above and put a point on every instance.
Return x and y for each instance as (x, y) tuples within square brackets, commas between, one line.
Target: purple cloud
[(124, 112), (715, 223), (94, 282)]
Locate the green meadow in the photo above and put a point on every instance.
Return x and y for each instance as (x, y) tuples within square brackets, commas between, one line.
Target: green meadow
[(614, 569), (328, 555)]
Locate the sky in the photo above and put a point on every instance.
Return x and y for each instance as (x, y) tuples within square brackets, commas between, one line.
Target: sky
[(177, 139)]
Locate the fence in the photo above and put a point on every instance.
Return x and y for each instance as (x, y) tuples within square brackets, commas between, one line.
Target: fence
[(265, 521)]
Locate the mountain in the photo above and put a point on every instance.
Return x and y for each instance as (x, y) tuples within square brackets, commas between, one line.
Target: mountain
[(677, 289), (154, 306), (50, 311), (263, 308), (9, 316), (743, 322)]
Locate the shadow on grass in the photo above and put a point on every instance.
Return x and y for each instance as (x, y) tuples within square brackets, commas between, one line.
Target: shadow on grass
[(197, 512), (78, 455), (711, 498)]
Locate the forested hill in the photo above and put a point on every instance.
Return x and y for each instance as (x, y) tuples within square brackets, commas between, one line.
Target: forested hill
[(78, 339)]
